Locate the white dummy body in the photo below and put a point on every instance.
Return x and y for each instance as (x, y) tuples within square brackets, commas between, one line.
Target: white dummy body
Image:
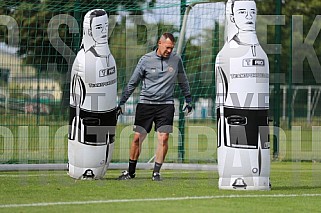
[(93, 94), (242, 73)]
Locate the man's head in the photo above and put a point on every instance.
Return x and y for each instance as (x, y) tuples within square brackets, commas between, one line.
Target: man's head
[(244, 14), (166, 45), (95, 28)]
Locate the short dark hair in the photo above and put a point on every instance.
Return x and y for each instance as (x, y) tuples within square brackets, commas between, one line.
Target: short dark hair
[(233, 2), (168, 36), (97, 13)]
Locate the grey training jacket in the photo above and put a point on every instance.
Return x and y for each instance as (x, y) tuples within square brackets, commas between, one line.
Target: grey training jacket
[(158, 76)]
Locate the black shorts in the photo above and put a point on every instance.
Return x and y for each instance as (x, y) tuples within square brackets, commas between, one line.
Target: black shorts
[(161, 114)]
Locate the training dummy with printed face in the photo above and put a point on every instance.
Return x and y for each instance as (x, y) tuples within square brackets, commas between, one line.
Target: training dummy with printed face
[(242, 99), (93, 94)]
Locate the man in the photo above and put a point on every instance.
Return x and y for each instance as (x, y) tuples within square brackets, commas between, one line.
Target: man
[(93, 101), (158, 72)]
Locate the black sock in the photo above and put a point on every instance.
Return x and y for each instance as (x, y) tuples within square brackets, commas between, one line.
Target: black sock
[(157, 167), (132, 167)]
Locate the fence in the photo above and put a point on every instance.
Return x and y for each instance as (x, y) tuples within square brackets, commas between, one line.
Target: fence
[(35, 65)]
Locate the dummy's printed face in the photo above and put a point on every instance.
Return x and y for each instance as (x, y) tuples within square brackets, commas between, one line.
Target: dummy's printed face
[(165, 47), (245, 15), (99, 29)]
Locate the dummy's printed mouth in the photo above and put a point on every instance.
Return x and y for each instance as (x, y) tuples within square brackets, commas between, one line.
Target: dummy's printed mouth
[(249, 22), (104, 36)]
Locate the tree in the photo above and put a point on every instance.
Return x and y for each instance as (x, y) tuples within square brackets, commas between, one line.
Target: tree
[(308, 11), (36, 46), (33, 18)]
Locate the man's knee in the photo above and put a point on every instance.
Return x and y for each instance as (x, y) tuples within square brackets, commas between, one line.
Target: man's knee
[(139, 137), (163, 138)]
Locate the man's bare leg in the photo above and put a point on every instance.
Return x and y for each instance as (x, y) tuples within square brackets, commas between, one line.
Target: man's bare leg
[(162, 147), (136, 146), (135, 150), (161, 152)]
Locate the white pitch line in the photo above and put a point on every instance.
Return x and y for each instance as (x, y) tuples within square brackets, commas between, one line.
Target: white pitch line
[(156, 199)]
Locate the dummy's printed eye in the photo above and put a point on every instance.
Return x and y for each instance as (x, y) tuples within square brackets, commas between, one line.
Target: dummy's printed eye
[(241, 12), (98, 27)]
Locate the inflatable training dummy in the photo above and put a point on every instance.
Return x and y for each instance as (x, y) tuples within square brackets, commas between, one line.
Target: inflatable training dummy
[(93, 94), (242, 75)]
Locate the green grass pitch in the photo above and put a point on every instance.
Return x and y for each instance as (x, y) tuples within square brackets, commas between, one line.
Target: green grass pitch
[(296, 187)]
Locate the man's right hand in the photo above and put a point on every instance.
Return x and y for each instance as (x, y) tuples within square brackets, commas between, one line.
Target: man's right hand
[(120, 110)]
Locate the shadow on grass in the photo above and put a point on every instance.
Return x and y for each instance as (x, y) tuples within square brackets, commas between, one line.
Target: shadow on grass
[(165, 178)]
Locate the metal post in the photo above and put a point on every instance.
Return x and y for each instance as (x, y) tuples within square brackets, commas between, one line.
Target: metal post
[(181, 120), (216, 34), (309, 104), (290, 92), (185, 9), (277, 91), (284, 103), (76, 37), (75, 48), (38, 95)]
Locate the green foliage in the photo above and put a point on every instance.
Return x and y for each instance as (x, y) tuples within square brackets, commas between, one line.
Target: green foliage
[(308, 10), (33, 18), (128, 43)]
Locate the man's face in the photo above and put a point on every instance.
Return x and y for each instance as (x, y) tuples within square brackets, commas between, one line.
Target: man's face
[(99, 28), (165, 47), (245, 15)]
